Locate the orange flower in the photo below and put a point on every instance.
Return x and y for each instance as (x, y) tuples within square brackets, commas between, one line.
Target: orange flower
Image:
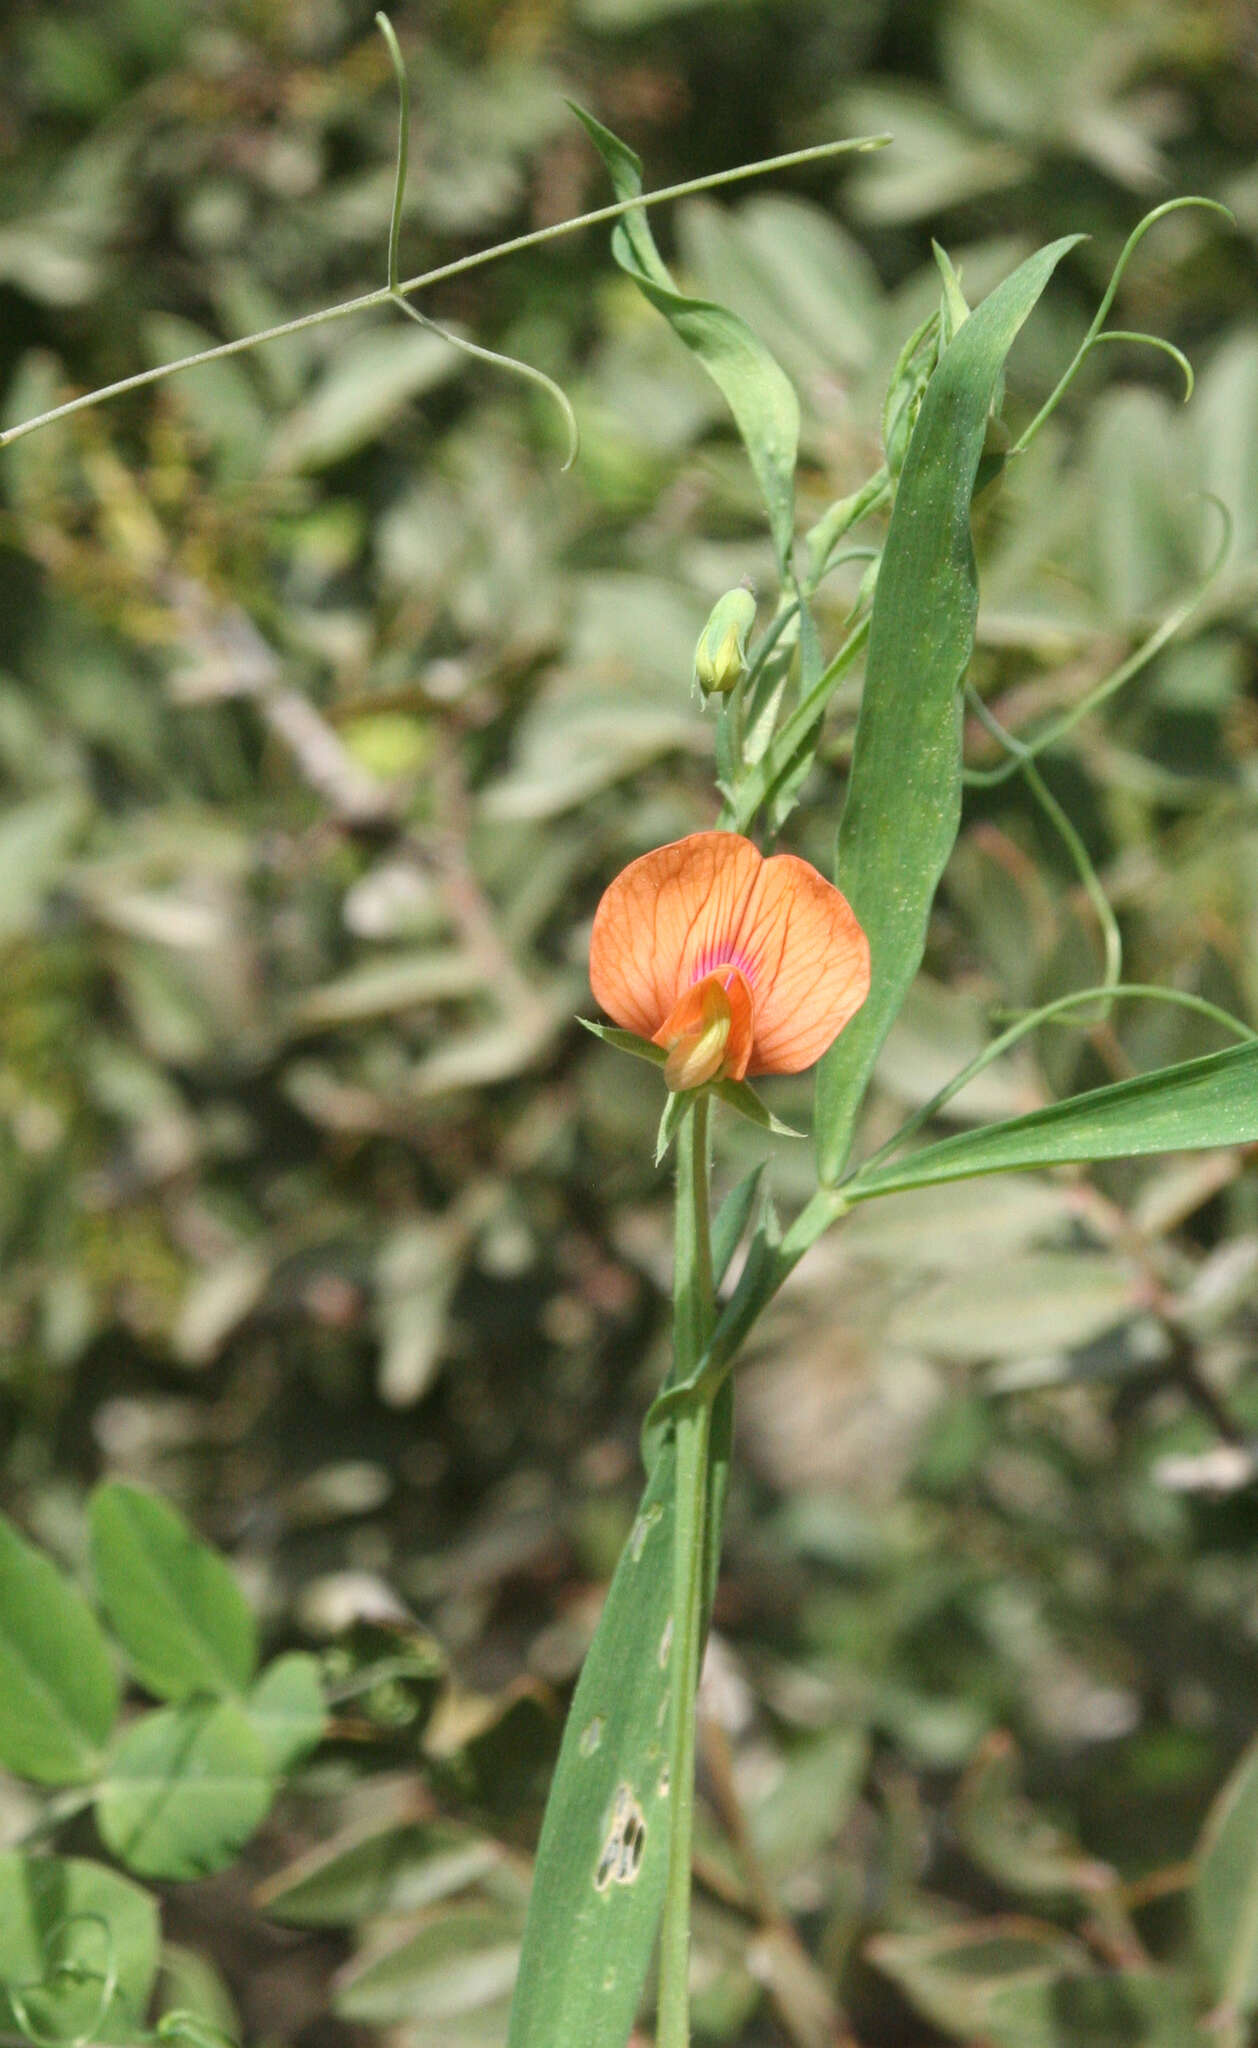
[(735, 964)]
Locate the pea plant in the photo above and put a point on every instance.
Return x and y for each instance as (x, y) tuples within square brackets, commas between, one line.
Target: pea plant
[(717, 959)]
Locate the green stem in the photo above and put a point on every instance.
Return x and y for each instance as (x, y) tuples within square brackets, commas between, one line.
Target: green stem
[(385, 27), (695, 1317), (366, 300), (1093, 334)]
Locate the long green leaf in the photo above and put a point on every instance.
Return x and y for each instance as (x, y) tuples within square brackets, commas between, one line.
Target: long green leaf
[(754, 386), (904, 800), (602, 1863), (1210, 1101)]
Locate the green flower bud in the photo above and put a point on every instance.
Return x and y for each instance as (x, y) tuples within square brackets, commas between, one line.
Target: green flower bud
[(909, 379), (953, 310), (721, 655)]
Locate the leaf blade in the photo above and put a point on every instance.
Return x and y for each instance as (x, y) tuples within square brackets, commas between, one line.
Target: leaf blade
[(175, 1604), (1224, 1895), (59, 1698), (753, 384), (587, 1944), (1193, 1106), (186, 1788), (903, 804)]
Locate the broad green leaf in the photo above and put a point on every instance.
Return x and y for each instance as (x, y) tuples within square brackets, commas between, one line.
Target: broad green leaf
[(196, 2007), (598, 1887), (394, 1870), (69, 1931), (805, 1807), (459, 1964), (756, 389), (286, 1709), (1185, 1108), (904, 798), (58, 1693), (1012, 1842), (186, 1788), (788, 267), (177, 1609), (1224, 1895), (1124, 2009), (954, 1974), (1041, 1301)]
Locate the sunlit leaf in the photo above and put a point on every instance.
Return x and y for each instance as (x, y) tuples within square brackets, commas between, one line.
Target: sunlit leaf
[(175, 1604), (58, 1694), (756, 390), (80, 1949), (185, 1789), (904, 797), (1205, 1102), (602, 1861)]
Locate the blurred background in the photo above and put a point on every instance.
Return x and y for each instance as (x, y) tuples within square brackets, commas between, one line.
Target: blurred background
[(327, 707)]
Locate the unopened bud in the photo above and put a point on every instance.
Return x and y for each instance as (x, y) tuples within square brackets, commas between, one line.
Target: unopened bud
[(909, 379), (953, 310), (721, 655)]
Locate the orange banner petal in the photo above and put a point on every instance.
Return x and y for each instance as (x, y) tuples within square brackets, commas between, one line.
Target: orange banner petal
[(662, 923), (679, 914), (807, 961)]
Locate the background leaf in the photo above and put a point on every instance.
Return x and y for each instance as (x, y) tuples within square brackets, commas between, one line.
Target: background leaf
[(186, 1788), (1224, 1894), (59, 1695), (286, 1709), (57, 1912), (179, 1614), (390, 1871)]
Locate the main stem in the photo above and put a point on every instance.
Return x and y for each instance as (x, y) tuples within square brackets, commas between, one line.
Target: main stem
[(694, 1314)]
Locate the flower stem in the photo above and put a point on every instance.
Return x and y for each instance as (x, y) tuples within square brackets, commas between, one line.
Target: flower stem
[(694, 1314)]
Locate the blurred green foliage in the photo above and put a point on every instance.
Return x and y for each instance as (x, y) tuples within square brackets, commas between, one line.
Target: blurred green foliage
[(327, 706)]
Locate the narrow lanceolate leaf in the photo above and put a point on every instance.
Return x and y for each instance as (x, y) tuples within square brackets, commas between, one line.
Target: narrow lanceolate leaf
[(602, 1862), (177, 1609), (1185, 1108), (1224, 1895), (904, 800), (58, 1692), (754, 386)]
